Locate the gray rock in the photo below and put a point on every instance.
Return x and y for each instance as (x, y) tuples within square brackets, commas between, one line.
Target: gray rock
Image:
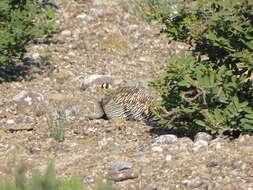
[(200, 144), (157, 149), (151, 186), (203, 136), (213, 164), (80, 46), (217, 143), (66, 33), (30, 102), (121, 165), (166, 139), (122, 176), (199, 183)]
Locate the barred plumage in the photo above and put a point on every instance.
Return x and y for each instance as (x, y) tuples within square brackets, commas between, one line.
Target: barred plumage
[(131, 103)]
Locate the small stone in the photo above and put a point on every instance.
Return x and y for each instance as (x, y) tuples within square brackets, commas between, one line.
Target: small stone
[(217, 143), (66, 33), (235, 164), (103, 142), (197, 183), (200, 144), (122, 165), (203, 136), (10, 121), (59, 148), (34, 149), (80, 46), (20, 95), (168, 157), (97, 12), (30, 102), (151, 187), (213, 164), (81, 16), (71, 54), (185, 182), (122, 176), (166, 139), (35, 55), (157, 149)]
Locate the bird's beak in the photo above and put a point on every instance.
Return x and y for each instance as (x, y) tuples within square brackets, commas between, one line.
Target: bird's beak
[(98, 86)]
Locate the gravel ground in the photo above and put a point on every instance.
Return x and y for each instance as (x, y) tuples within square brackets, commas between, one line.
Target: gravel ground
[(106, 38)]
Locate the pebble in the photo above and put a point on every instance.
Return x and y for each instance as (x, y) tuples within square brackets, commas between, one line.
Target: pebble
[(168, 157), (213, 164), (10, 121), (200, 144), (122, 165), (81, 16), (35, 55), (166, 139), (203, 136), (34, 149), (157, 149), (66, 33), (80, 46), (151, 187), (122, 176)]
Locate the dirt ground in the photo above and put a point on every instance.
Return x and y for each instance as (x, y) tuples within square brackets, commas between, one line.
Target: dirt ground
[(107, 38)]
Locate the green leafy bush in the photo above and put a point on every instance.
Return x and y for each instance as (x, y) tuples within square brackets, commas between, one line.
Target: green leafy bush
[(20, 22), (212, 94)]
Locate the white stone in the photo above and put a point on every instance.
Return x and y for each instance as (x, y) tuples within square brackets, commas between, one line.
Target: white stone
[(168, 157), (166, 139), (157, 149), (199, 144), (81, 16), (10, 121), (66, 33), (28, 100), (35, 55)]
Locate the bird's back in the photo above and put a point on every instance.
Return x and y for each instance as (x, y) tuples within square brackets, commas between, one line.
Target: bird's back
[(131, 103)]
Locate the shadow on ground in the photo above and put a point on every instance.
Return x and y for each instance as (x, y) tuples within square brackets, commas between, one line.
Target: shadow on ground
[(26, 69)]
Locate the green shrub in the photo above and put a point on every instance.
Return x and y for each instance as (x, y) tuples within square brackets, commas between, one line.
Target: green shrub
[(47, 181), (20, 22), (212, 94)]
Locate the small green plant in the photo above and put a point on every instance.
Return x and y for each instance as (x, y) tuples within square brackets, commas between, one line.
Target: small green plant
[(46, 181), (212, 94), (57, 123)]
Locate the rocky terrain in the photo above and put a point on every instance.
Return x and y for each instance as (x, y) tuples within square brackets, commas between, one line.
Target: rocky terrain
[(107, 38)]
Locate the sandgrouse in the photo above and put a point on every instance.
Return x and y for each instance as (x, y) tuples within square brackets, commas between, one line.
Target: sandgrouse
[(125, 102)]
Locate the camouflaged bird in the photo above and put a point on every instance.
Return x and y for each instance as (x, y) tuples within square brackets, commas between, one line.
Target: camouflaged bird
[(130, 103), (124, 102)]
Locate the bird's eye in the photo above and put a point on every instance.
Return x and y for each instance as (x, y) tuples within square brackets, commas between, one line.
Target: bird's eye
[(106, 85)]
